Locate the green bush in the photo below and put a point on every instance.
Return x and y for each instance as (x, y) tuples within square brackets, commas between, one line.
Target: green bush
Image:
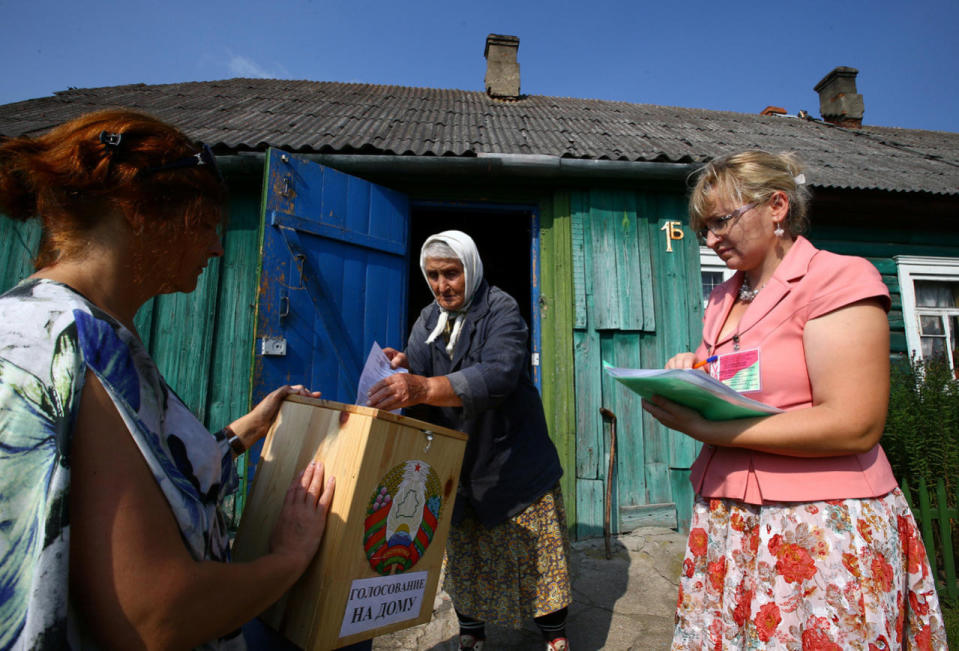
[(921, 438), (922, 429)]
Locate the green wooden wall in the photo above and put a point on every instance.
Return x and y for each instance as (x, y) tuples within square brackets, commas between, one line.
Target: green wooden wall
[(635, 304), (879, 246), (18, 244)]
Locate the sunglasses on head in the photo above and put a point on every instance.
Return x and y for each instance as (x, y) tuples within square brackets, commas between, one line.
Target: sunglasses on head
[(204, 157), (112, 141)]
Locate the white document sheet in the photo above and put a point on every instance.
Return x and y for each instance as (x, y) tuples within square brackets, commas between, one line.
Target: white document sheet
[(377, 367)]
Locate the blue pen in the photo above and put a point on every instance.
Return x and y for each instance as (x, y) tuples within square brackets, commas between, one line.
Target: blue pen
[(708, 360)]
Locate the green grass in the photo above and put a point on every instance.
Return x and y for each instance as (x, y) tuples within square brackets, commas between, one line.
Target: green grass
[(950, 616)]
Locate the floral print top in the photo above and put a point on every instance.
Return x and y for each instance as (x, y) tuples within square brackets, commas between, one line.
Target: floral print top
[(49, 337)]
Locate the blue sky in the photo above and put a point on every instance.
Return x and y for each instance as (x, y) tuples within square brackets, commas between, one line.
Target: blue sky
[(713, 55)]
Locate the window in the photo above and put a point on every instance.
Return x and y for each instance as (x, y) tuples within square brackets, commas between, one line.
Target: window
[(714, 272), (930, 306)]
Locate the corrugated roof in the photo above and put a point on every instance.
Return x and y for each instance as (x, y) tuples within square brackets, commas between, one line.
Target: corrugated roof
[(331, 117)]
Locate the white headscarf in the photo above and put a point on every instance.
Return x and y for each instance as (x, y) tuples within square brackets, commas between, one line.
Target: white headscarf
[(465, 249)]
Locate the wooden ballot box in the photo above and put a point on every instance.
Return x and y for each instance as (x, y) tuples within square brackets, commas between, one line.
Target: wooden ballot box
[(379, 563)]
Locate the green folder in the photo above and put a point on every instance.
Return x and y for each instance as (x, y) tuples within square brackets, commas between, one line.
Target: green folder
[(693, 389)]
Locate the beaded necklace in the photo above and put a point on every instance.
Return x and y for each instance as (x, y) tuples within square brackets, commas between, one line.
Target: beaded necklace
[(746, 291), (746, 295)]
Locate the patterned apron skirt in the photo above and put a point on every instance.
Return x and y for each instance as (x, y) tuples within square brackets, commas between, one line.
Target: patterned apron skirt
[(514, 571)]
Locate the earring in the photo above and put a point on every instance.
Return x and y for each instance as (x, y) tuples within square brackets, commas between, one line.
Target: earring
[(779, 232)]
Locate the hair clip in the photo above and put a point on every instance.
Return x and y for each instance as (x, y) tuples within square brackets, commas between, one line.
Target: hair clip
[(800, 179), (111, 140)]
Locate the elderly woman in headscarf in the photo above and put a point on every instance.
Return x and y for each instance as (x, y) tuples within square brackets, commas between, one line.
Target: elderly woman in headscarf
[(469, 363)]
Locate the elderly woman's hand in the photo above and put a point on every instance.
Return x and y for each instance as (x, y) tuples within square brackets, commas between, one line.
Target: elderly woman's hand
[(397, 359), (299, 529), (254, 425), (399, 390)]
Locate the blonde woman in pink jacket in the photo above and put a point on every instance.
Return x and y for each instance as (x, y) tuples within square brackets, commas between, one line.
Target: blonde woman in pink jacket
[(800, 536)]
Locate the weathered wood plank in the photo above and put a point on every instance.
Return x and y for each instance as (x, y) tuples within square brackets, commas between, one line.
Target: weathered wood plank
[(647, 515), (886, 266), (590, 448), (233, 348), (683, 496), (694, 283), (656, 436), (901, 237), (578, 211), (897, 342), (19, 246), (892, 281), (143, 321), (631, 266), (182, 344), (556, 363), (883, 249), (602, 245), (623, 349), (643, 245), (589, 508)]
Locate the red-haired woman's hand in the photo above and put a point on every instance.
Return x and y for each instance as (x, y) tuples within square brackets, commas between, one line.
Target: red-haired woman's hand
[(299, 529), (254, 425)]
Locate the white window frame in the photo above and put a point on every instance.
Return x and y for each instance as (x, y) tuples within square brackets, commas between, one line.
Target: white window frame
[(709, 261), (910, 269)]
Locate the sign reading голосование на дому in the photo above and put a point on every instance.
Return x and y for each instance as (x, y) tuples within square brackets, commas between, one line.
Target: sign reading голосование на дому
[(383, 600)]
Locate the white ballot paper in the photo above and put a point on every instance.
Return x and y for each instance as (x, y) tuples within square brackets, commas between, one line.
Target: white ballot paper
[(377, 367)]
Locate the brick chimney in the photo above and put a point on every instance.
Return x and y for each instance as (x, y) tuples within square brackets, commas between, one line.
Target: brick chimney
[(839, 103), (502, 69)]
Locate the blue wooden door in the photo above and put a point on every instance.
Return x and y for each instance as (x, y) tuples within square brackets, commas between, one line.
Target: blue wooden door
[(333, 279)]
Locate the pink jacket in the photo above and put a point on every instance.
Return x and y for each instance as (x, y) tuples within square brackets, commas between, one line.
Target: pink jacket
[(807, 284)]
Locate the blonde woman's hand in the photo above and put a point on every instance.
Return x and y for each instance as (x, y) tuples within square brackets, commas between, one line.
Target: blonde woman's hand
[(682, 360)]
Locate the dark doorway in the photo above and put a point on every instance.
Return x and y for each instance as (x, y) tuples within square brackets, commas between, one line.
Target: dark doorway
[(502, 235)]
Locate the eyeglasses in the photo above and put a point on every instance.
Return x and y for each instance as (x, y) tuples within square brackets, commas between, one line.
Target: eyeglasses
[(719, 225), (203, 157)]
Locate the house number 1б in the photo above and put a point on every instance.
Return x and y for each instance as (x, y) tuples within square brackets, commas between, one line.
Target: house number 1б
[(674, 231)]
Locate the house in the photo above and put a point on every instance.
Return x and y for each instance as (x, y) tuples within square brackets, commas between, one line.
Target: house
[(578, 207)]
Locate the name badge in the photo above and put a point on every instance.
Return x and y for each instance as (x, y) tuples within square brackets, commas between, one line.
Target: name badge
[(739, 371)]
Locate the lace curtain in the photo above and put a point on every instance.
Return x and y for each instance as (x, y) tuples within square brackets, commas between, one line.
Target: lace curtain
[(937, 304)]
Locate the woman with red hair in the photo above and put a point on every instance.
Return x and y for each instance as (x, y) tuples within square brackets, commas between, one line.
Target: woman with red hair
[(111, 533)]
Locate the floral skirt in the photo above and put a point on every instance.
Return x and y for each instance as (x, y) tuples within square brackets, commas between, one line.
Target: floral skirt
[(837, 574), (514, 571)]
